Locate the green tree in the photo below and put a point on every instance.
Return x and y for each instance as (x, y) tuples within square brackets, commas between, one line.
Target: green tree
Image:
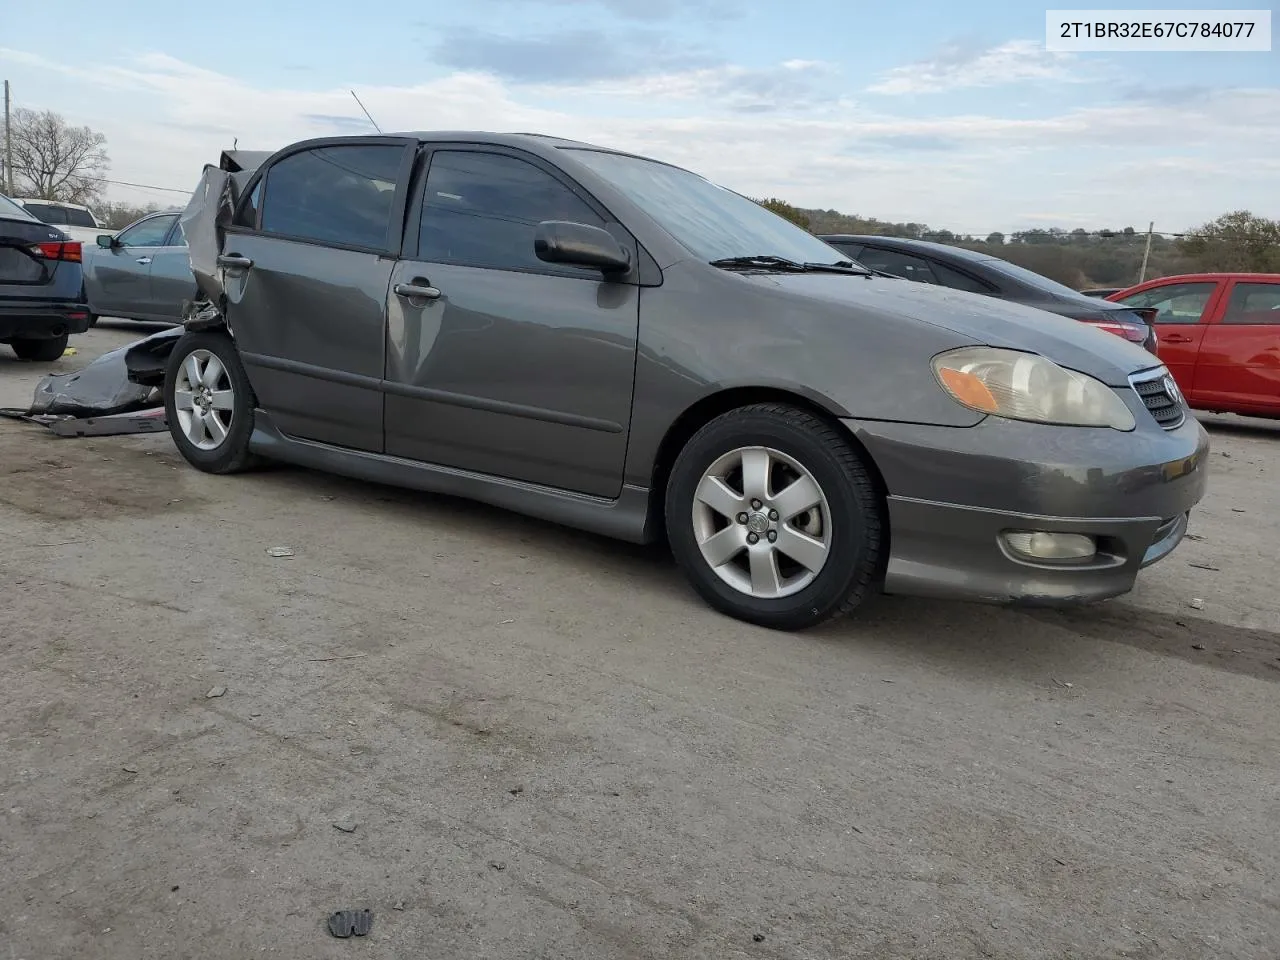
[(784, 209), (1236, 241)]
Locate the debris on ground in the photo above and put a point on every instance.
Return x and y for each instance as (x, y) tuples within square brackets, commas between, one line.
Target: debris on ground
[(215, 692), (497, 865), (398, 905), (1196, 603), (129, 768), (758, 937), (351, 923), (1197, 646), (516, 791), (279, 552), (346, 826), (1204, 566)]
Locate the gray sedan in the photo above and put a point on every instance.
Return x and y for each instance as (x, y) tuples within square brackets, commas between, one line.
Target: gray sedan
[(141, 273), (617, 344)]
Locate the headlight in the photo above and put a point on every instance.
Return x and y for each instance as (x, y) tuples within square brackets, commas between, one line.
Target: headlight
[(1024, 386)]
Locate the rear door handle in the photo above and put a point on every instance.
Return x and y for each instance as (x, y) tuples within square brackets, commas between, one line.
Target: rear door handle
[(1175, 338), (234, 260), (416, 291), (143, 260)]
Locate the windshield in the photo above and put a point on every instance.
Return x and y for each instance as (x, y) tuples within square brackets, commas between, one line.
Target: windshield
[(59, 215), (712, 222), (10, 209), (1035, 280)]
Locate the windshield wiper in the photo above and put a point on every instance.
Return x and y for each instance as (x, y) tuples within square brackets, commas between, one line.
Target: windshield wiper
[(769, 262)]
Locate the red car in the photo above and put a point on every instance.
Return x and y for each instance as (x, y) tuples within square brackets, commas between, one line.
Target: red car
[(1219, 335)]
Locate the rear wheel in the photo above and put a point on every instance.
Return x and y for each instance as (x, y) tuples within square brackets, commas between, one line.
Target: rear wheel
[(775, 519), (44, 351), (209, 403)]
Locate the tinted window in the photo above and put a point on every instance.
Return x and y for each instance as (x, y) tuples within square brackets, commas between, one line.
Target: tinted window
[(957, 280), (709, 221), (247, 215), (899, 264), (483, 209), (1173, 302), (147, 233), (850, 250), (48, 212), (1254, 303), (340, 195), (10, 209), (79, 218), (1033, 279)]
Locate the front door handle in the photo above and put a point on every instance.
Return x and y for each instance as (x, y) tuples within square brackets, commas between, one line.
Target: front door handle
[(1176, 338), (234, 260), (416, 291), (143, 260)]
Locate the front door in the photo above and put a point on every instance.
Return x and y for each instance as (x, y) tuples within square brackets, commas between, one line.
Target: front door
[(1182, 310), (308, 262), (509, 366), (171, 281)]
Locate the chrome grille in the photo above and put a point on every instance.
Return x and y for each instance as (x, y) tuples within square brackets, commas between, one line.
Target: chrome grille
[(1160, 395)]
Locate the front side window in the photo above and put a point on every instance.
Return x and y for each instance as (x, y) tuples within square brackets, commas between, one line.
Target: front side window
[(341, 195), (483, 210), (1173, 302), (709, 221), (1253, 303), (899, 264), (147, 233)]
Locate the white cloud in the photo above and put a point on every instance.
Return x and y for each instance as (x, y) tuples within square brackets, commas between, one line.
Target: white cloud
[(957, 66), (165, 118)]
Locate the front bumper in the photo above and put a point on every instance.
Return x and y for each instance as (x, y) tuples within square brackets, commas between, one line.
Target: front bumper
[(41, 319), (952, 493)]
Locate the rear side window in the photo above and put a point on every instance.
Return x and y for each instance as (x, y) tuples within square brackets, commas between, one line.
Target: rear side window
[(79, 218), (483, 209), (48, 212), (957, 280), (899, 264), (148, 233), (1253, 303), (339, 195), (1174, 302)]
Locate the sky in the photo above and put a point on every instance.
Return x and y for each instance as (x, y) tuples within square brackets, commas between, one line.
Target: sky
[(946, 113)]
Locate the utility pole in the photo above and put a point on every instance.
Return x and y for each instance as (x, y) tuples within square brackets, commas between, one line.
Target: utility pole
[(8, 139), (1146, 254)]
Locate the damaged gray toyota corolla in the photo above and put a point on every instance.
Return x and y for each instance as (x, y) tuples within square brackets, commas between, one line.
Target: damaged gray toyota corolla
[(619, 345)]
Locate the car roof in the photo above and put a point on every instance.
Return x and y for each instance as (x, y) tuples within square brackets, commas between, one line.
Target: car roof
[(52, 203), (1202, 277), (908, 243)]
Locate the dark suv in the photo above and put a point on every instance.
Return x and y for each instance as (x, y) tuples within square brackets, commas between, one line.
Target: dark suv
[(41, 285)]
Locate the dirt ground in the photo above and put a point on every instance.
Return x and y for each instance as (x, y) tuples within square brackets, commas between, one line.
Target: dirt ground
[(513, 741)]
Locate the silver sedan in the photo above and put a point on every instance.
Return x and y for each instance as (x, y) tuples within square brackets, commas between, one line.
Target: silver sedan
[(141, 273)]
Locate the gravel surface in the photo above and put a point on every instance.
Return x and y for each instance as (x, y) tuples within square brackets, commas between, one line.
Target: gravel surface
[(509, 740)]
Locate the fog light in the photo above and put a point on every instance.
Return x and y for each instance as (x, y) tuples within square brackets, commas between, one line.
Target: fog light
[(1040, 545)]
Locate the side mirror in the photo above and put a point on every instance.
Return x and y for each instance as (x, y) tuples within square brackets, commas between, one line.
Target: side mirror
[(580, 245), (106, 241)]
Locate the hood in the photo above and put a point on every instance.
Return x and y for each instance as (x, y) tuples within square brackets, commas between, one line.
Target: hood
[(986, 320)]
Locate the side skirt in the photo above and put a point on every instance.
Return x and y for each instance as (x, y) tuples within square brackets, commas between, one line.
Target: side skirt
[(626, 518)]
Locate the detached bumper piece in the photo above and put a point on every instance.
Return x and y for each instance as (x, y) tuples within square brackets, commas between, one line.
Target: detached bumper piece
[(112, 425)]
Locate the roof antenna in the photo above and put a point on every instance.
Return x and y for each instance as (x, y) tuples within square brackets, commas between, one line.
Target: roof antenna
[(235, 142), (366, 113)]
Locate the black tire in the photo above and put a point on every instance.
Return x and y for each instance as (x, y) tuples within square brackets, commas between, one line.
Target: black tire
[(857, 521), (93, 320), (232, 454), (43, 351)]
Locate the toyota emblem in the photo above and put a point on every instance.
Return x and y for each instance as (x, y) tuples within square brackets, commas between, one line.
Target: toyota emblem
[(1171, 388)]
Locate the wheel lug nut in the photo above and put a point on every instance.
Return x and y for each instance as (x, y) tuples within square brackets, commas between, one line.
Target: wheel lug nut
[(773, 535), (742, 518), (755, 504), (753, 538), (773, 514)]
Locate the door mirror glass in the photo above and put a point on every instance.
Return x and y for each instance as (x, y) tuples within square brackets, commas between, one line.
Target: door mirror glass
[(106, 241), (579, 245)]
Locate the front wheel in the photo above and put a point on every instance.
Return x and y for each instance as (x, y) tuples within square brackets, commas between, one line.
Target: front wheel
[(43, 351), (209, 403), (775, 519)]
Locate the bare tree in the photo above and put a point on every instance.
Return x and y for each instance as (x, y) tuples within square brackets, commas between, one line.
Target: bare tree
[(55, 161), (118, 215)]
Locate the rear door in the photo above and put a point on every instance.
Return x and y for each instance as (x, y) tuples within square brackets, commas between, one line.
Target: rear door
[(308, 263), (119, 279), (1183, 309), (1239, 364), (171, 280)]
